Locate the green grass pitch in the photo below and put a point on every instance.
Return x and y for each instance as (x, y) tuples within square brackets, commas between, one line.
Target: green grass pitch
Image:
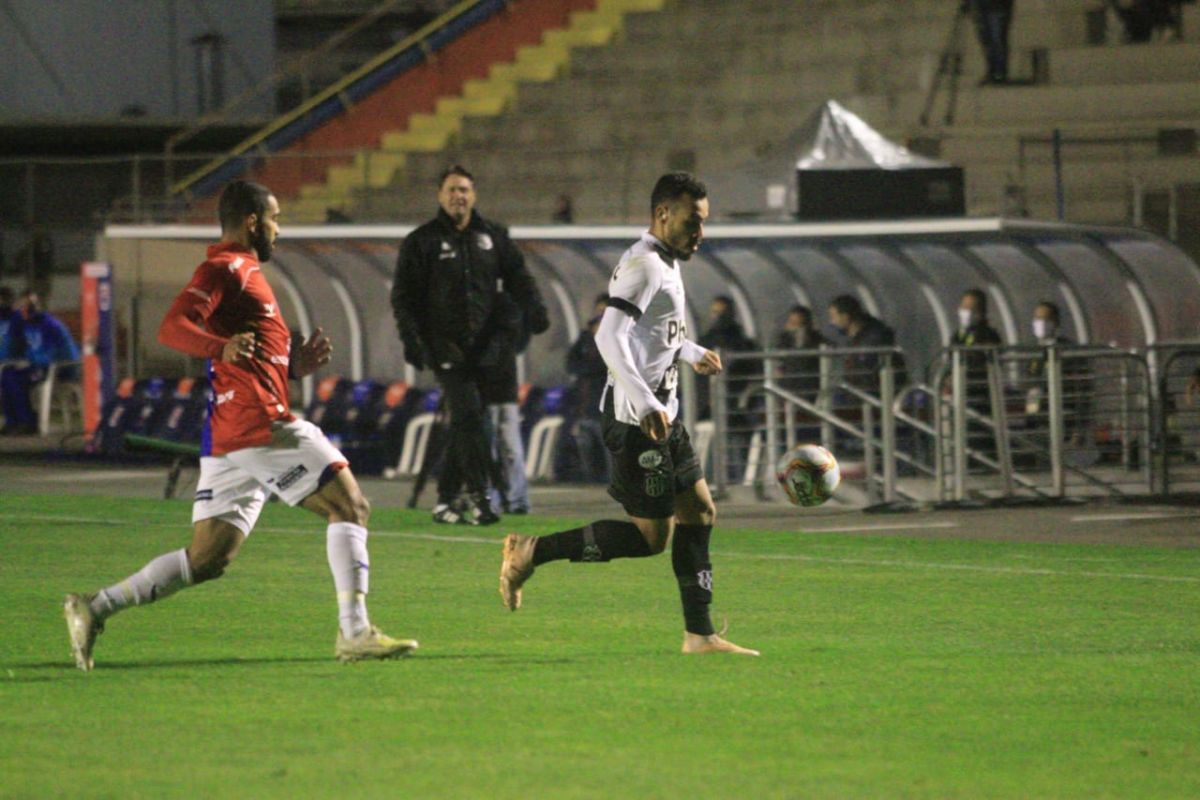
[(891, 668)]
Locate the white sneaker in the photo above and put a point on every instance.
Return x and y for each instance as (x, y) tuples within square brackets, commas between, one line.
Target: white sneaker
[(516, 568), (82, 628), (372, 644), (445, 514)]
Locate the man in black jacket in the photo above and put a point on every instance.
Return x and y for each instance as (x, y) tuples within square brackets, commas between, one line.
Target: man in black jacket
[(847, 315), (449, 301)]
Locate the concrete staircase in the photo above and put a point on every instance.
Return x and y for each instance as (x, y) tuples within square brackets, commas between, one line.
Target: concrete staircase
[(348, 188), (708, 84)]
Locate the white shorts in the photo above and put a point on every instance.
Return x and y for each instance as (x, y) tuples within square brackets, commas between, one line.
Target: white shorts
[(234, 487)]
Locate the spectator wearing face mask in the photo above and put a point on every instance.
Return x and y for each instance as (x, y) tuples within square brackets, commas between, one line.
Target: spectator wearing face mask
[(1076, 376), (974, 331)]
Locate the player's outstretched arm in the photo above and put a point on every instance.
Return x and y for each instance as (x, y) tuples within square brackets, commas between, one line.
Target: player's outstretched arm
[(703, 360), (310, 354)]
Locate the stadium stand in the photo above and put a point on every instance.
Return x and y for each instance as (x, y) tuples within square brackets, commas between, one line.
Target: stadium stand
[(735, 77)]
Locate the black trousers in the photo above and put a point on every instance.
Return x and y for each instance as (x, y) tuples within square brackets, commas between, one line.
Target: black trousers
[(993, 21), (468, 449)]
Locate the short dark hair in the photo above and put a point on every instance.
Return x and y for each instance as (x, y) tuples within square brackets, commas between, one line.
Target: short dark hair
[(726, 301), (455, 169), (980, 300), (1052, 307), (848, 304), (239, 200), (676, 184)]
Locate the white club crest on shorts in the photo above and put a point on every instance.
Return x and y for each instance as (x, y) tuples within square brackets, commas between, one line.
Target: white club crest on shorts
[(650, 459), (484, 241), (657, 484)]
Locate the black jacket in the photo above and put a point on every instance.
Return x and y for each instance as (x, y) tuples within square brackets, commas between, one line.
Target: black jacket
[(862, 369), (981, 334), (463, 297), (587, 367)]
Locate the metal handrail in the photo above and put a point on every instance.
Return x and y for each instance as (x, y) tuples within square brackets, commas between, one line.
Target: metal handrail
[(773, 392), (1160, 428), (1059, 467), (415, 40), (297, 66)]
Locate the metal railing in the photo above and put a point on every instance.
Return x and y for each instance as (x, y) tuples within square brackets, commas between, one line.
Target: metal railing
[(1178, 421), (995, 423), (764, 404), (298, 69), (1042, 422), (340, 94)]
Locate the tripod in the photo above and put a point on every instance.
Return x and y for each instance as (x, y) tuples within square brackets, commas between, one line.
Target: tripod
[(950, 64)]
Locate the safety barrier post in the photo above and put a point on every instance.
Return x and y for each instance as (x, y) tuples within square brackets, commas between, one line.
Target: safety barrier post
[(1146, 452), (824, 395), (1054, 401), (958, 382), (868, 424), (939, 449), (1000, 420), (772, 420), (887, 427), (1123, 415)]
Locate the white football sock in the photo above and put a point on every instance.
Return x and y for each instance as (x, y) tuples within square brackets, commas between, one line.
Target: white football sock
[(346, 546), (162, 577)]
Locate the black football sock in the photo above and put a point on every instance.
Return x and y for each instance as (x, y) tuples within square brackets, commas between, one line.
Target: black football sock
[(693, 570), (601, 541)]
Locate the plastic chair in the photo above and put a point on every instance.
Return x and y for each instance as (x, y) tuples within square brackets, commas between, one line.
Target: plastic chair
[(416, 437), (539, 459), (66, 392)]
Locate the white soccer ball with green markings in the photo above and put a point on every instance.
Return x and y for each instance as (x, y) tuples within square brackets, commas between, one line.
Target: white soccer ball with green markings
[(809, 475)]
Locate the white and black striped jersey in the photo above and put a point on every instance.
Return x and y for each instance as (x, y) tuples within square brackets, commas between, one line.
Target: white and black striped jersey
[(644, 332)]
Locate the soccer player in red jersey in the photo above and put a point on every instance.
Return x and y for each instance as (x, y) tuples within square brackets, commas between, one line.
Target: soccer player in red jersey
[(251, 444)]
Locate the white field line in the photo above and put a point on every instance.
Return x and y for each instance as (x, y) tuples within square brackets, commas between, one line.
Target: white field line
[(1146, 515), (102, 476), (1132, 576), (858, 562), (894, 527)]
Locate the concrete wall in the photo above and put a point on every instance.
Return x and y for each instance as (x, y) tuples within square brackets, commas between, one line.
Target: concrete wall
[(86, 59)]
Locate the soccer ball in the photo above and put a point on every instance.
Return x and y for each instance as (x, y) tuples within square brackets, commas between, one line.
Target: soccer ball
[(809, 475)]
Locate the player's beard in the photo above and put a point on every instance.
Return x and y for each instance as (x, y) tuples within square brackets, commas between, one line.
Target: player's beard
[(263, 247)]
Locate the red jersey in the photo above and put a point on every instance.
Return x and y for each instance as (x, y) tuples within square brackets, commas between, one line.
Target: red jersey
[(229, 294)]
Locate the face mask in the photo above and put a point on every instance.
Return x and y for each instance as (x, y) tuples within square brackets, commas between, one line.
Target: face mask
[(1042, 329), (966, 318)]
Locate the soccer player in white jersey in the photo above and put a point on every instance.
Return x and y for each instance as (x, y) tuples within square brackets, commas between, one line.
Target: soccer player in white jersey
[(657, 476), (251, 443)]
